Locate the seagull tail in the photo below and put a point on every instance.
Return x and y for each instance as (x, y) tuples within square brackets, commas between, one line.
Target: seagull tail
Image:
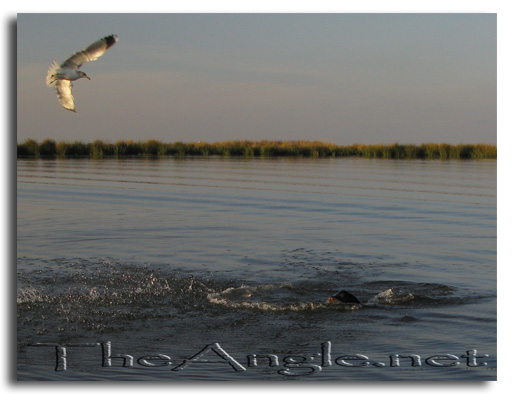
[(51, 78)]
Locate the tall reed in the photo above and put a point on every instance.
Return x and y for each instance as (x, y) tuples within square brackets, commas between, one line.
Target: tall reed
[(264, 148)]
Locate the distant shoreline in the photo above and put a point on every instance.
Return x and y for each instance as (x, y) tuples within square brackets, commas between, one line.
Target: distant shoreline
[(153, 148)]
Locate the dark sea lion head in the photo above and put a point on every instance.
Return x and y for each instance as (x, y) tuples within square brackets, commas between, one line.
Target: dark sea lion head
[(344, 297)]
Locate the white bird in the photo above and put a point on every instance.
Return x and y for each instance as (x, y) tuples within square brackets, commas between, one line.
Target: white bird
[(61, 76)]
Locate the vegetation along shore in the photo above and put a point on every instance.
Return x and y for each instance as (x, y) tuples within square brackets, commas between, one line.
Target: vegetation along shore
[(128, 148)]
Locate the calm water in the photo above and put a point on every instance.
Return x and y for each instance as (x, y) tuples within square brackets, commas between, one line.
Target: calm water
[(163, 259)]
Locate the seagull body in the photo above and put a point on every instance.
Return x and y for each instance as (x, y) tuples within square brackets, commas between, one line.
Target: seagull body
[(62, 75)]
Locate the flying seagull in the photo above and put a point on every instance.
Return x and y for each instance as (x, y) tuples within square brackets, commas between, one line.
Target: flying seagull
[(61, 76)]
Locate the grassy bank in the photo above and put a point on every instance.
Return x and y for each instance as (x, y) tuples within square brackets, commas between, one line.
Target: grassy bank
[(129, 148)]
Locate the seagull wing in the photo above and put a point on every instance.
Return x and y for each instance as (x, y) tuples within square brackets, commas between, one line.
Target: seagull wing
[(63, 88), (92, 52)]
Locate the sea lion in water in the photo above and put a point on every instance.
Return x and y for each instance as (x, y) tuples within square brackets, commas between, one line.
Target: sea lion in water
[(344, 297)]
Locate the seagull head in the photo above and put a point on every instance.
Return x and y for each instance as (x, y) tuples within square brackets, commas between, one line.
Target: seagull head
[(83, 75)]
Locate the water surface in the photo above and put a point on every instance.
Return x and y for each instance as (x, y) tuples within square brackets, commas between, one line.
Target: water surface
[(175, 255)]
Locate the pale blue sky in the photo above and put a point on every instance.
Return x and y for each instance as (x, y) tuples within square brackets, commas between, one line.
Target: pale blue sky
[(344, 78)]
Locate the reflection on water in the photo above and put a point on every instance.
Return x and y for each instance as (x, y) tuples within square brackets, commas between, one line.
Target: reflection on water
[(171, 255)]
